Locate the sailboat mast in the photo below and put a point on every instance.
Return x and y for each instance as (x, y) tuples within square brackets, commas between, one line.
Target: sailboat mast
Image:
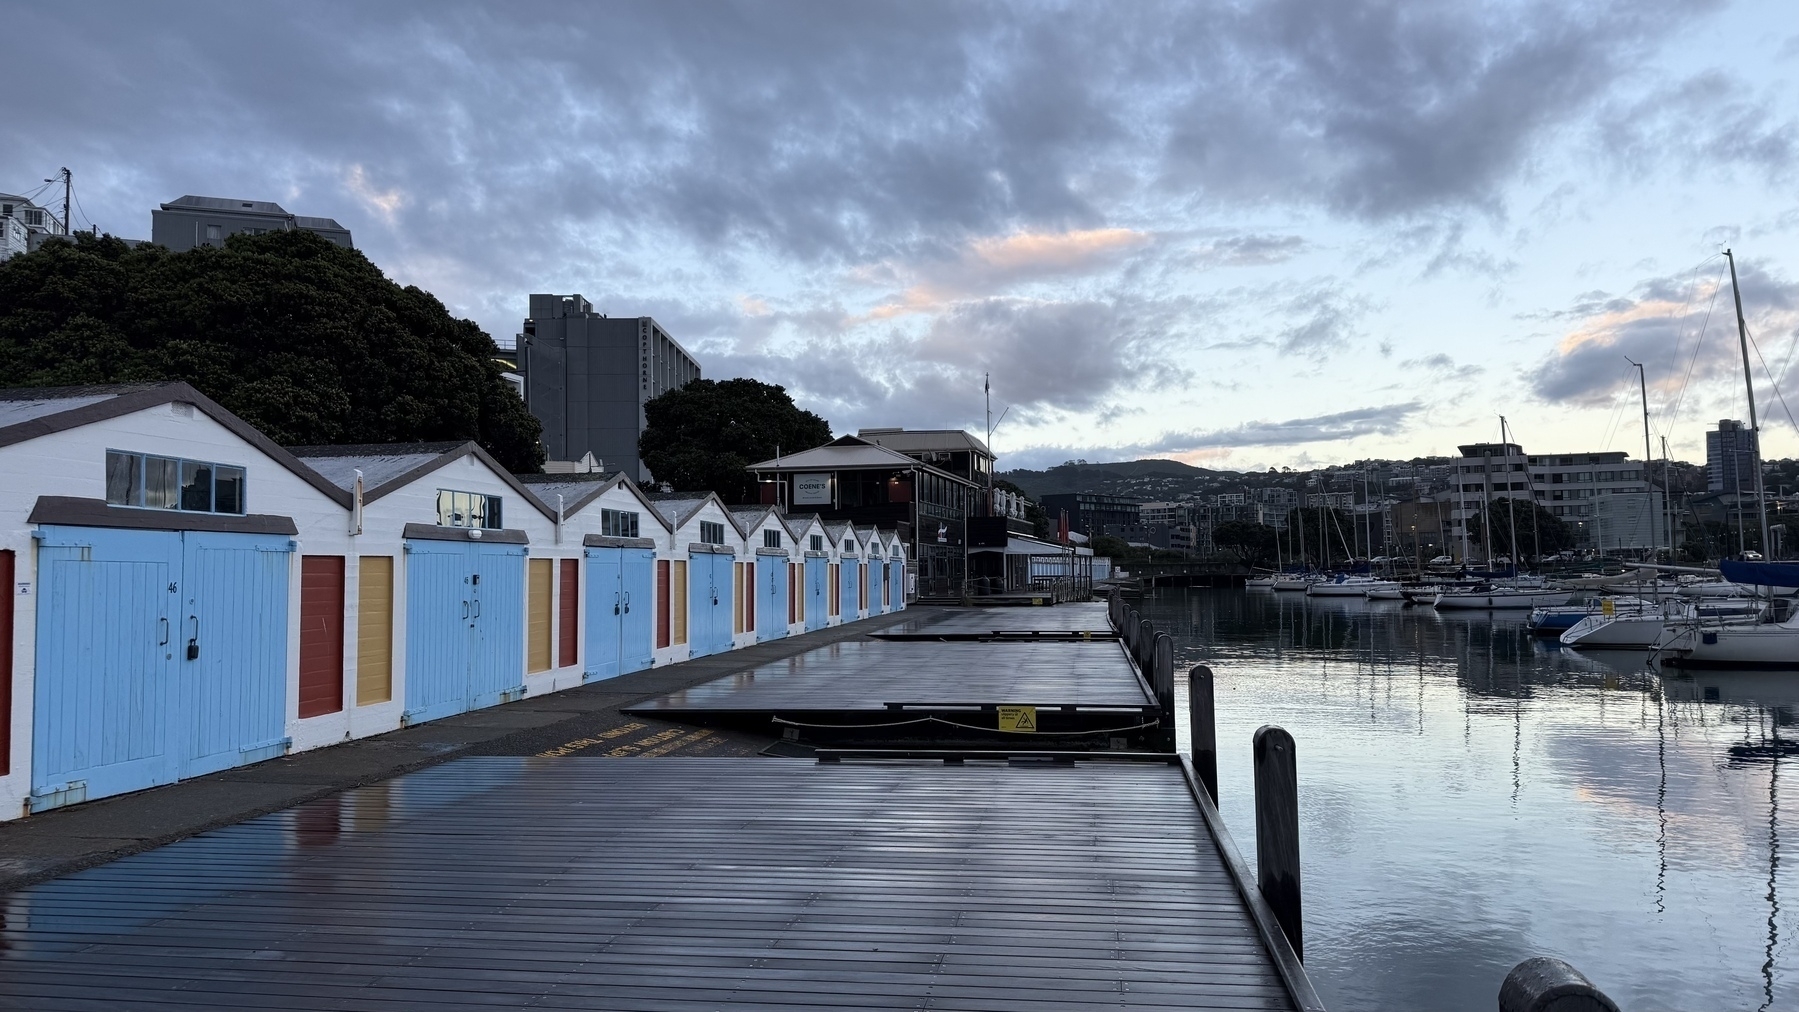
[(1761, 499), (1648, 457), (1511, 513)]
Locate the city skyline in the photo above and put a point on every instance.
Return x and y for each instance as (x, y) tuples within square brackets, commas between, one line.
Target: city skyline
[(1312, 232)]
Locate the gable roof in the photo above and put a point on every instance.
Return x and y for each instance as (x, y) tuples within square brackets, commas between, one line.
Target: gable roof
[(677, 508), (399, 465), (750, 517), (850, 452), (28, 413), (581, 491), (924, 439)]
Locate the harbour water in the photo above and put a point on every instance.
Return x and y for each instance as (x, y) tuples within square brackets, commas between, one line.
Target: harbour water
[(1471, 796)]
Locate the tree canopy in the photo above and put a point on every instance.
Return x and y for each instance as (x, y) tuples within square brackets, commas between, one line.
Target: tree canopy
[(1540, 532), (306, 340), (705, 435), (1250, 542)]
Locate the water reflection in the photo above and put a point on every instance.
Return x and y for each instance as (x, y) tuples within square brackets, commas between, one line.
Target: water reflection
[(1472, 795)]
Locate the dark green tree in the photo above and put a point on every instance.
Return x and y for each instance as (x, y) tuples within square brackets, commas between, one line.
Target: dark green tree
[(306, 340), (705, 435), (1540, 532), (1251, 543)]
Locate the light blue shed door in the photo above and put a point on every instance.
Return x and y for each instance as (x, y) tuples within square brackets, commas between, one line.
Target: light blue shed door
[(235, 597), (817, 572), (847, 580), (896, 578), (636, 644), (605, 612), (161, 655), (465, 626), (771, 597), (724, 589), (105, 702)]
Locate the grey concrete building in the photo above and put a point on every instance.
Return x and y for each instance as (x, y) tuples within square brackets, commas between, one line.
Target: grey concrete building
[(588, 375), (192, 221)]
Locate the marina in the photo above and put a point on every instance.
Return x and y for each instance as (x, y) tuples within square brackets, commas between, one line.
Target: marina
[(1474, 794)]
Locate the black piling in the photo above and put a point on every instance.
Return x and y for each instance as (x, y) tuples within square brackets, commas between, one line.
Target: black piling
[(1202, 715), (1546, 984), (1277, 830)]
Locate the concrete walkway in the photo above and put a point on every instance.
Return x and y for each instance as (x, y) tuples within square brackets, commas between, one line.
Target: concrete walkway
[(580, 721)]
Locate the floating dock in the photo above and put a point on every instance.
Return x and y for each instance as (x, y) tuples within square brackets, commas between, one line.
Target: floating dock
[(677, 884), (1066, 621), (883, 691)]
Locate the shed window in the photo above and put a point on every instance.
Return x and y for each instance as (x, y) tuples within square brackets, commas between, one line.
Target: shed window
[(712, 533), (818, 542), (618, 523), (771, 539), (170, 483), (468, 509)]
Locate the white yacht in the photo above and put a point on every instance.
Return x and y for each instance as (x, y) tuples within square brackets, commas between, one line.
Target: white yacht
[(1495, 597), (1343, 585)]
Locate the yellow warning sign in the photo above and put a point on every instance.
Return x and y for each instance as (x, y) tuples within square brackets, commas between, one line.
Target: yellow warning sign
[(1607, 608), (1018, 718)]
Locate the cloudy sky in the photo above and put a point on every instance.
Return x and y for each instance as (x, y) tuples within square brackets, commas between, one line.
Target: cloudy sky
[(1238, 234)]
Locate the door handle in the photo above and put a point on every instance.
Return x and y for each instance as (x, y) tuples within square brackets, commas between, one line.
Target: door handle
[(465, 611), (165, 631), (627, 602), (477, 607)]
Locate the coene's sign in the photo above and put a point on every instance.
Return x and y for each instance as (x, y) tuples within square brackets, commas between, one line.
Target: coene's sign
[(812, 490)]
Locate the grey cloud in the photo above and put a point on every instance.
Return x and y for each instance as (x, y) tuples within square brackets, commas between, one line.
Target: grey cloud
[(1671, 324), (1325, 323), (1703, 119), (1251, 251), (1384, 420)]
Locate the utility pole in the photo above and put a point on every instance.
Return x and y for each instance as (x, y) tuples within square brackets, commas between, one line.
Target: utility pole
[(68, 192), (1761, 499), (1648, 458)]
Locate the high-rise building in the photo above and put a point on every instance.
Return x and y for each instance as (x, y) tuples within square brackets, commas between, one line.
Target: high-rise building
[(1732, 458), (191, 221), (587, 377), (1564, 484)]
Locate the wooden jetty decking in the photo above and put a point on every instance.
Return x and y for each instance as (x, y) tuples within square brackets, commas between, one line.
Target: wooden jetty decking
[(675, 885)]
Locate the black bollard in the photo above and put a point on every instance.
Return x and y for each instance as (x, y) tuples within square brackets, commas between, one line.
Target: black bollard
[(1146, 646), (1277, 830), (1546, 984), (1202, 715)]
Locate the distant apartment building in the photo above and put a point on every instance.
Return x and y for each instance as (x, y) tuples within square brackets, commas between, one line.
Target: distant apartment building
[(1162, 513), (587, 377), (1732, 458), (1091, 513), (24, 225), (189, 222), (1567, 484)]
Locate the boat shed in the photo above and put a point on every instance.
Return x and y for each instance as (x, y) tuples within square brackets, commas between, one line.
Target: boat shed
[(696, 579), (813, 572), (765, 575), (154, 602), (621, 535), (455, 566)]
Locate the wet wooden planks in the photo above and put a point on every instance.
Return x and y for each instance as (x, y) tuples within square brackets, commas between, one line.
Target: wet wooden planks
[(871, 674), (679, 884)]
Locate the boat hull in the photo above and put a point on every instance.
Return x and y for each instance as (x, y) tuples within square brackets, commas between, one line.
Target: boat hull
[(1500, 600), (1744, 647)]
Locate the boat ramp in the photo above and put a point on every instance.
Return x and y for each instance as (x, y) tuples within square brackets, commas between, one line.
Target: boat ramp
[(1020, 834)]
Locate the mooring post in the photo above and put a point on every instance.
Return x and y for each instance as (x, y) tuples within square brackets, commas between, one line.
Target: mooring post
[(1130, 631), (1277, 830), (1546, 984), (1203, 718), (1146, 647), (1162, 680)]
